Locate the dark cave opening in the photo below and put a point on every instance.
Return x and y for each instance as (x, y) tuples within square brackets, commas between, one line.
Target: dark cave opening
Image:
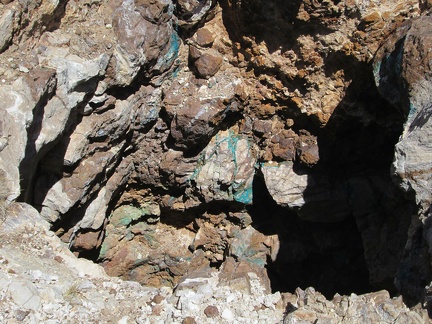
[(326, 256), (350, 234)]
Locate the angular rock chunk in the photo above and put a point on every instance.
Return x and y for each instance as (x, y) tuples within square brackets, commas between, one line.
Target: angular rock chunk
[(284, 185), (6, 28), (208, 64), (146, 38), (197, 112), (191, 12), (226, 169), (403, 74)]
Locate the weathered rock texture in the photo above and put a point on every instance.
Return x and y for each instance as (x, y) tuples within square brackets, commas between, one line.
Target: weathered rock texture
[(256, 145)]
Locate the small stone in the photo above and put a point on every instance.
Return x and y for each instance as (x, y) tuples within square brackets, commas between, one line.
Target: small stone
[(157, 310), (372, 18), (158, 299), (20, 314), (58, 258), (211, 311), (228, 315), (194, 52), (25, 294), (189, 320), (123, 320)]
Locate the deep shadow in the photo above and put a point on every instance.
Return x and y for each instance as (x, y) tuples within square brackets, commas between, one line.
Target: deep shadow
[(274, 22), (326, 256), (356, 150)]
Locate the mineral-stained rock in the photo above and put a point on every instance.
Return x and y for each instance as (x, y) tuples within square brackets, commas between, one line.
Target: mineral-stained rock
[(141, 41), (226, 169), (194, 119), (403, 74)]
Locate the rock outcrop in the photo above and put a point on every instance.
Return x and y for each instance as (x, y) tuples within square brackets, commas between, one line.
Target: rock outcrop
[(220, 152)]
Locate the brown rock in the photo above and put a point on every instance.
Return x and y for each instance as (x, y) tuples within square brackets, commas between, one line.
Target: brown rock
[(211, 311), (208, 64), (158, 299), (266, 110), (194, 121), (155, 11), (204, 37), (189, 320), (372, 18), (307, 149), (157, 310), (194, 52), (88, 240), (262, 127)]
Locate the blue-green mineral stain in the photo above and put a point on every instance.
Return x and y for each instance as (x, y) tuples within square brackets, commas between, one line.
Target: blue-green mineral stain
[(412, 110), (241, 192), (244, 196), (377, 71), (104, 249), (165, 61), (126, 214)]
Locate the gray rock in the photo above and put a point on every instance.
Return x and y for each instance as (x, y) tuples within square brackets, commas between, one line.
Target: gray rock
[(284, 185), (17, 117), (6, 28), (192, 11), (403, 76), (25, 294)]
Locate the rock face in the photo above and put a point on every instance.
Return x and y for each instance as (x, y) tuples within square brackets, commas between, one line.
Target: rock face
[(407, 87), (223, 150)]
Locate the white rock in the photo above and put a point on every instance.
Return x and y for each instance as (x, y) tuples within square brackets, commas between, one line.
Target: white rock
[(25, 294), (284, 185), (228, 315)]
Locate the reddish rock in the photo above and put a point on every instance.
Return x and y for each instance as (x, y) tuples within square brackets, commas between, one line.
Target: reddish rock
[(307, 149), (208, 64), (189, 320), (211, 311), (87, 240), (204, 37), (158, 299), (194, 52)]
